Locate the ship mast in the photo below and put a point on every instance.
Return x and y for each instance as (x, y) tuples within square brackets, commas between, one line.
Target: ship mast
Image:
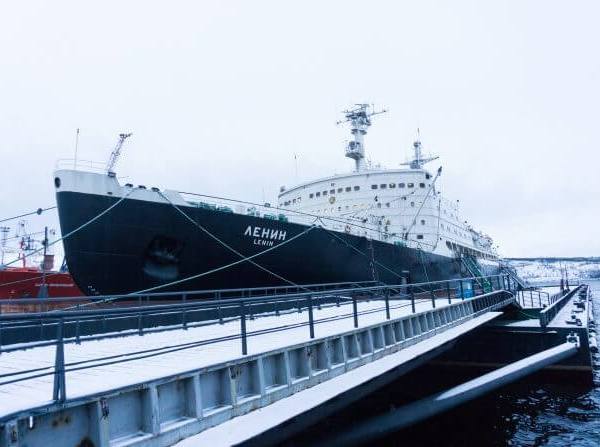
[(418, 161), (359, 118)]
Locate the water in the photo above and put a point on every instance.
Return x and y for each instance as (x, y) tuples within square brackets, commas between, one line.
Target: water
[(538, 411)]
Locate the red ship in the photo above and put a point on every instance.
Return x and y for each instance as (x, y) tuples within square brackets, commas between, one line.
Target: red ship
[(27, 281)]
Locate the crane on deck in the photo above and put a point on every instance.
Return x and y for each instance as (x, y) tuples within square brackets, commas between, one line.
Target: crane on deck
[(114, 156)]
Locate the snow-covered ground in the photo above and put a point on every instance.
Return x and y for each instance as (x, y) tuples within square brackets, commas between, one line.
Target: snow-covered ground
[(550, 269)]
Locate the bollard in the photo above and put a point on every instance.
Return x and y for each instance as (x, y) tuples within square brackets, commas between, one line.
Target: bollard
[(355, 311), (243, 329), (311, 321)]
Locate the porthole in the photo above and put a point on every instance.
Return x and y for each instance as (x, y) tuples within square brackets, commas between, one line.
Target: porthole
[(57, 182)]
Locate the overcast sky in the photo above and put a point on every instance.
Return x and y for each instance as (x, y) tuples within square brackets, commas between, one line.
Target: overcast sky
[(220, 95)]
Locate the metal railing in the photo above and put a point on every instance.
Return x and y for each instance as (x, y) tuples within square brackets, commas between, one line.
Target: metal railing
[(68, 324), (548, 313), (532, 298)]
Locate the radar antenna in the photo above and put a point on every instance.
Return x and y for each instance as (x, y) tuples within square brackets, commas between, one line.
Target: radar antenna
[(418, 162), (359, 118), (116, 153)]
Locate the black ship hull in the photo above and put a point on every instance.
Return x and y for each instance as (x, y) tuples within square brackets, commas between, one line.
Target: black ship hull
[(140, 245)]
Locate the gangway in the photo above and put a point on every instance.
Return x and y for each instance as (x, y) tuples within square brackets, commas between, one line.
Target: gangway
[(507, 270), (472, 267)]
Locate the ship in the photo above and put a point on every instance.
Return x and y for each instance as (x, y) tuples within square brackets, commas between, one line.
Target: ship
[(36, 276), (391, 226)]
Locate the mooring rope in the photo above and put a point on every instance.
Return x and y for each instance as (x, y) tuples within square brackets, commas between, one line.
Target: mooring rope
[(38, 212), (71, 233), (224, 244)]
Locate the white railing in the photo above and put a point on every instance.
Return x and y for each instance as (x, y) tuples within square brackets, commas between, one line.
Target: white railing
[(80, 165)]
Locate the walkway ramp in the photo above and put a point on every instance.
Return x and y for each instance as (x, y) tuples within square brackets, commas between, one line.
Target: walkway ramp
[(160, 387)]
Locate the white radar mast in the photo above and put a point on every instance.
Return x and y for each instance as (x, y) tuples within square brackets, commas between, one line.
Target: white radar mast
[(359, 118), (418, 162), (114, 156)]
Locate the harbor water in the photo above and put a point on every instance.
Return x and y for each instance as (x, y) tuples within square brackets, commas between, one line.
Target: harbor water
[(542, 410)]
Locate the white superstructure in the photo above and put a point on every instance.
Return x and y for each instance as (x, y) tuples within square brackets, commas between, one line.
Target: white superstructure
[(399, 206)]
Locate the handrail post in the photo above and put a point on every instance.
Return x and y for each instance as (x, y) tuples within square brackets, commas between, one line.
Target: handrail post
[(311, 321), (355, 310), (387, 304), (462, 292), (140, 325), (473, 287), (540, 298), (59, 392), (183, 314), (412, 300), (77, 339), (432, 295), (448, 292), (243, 329)]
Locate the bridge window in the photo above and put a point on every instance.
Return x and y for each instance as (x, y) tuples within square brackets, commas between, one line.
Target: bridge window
[(422, 185), (318, 194), (401, 185), (332, 191), (411, 185), (427, 176), (392, 185), (340, 190), (422, 221), (357, 188), (383, 186), (311, 195), (324, 193), (419, 236), (373, 186)]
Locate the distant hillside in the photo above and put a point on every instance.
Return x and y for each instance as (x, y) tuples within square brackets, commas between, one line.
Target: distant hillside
[(532, 269), (551, 259)]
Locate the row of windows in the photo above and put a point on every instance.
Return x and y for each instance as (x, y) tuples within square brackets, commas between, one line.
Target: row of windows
[(355, 188), (332, 191), (451, 230), (393, 185)]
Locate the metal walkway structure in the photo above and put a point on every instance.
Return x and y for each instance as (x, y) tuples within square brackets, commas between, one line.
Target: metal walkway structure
[(159, 368)]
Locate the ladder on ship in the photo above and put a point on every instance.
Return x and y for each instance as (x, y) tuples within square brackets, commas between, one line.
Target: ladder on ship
[(471, 265)]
